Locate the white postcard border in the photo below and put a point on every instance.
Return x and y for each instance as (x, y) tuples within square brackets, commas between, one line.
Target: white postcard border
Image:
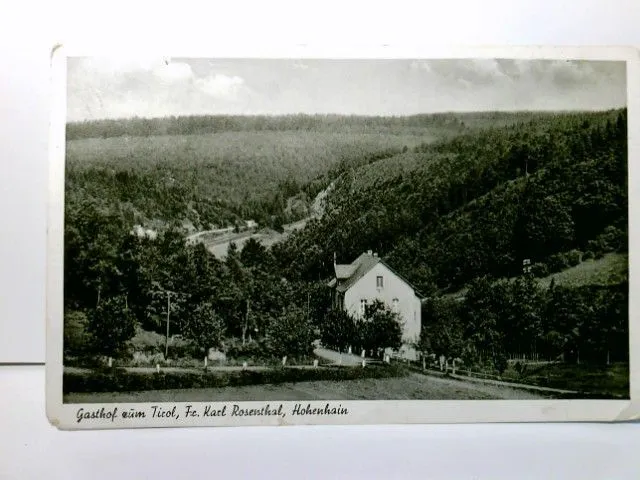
[(66, 416)]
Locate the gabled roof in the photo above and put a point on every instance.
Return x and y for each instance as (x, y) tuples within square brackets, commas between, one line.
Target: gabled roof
[(345, 271), (359, 268)]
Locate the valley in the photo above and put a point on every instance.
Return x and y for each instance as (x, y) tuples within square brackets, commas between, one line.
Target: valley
[(512, 226)]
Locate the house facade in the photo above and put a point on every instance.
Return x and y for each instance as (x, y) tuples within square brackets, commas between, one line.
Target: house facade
[(367, 279)]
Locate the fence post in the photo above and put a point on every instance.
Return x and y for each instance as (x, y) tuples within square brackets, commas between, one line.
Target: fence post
[(284, 360), (315, 363), (158, 367), (244, 365)]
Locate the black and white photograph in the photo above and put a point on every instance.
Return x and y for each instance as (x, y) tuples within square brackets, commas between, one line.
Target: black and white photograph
[(286, 237)]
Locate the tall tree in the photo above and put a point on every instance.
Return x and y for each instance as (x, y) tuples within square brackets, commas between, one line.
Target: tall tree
[(204, 327), (111, 326), (380, 329)]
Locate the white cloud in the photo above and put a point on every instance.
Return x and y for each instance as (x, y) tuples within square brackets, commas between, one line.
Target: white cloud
[(420, 65), (173, 71), (125, 87), (220, 86), (119, 65)]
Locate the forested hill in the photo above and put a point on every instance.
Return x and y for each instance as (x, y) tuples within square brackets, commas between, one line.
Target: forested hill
[(215, 171), (206, 124), (479, 204), (206, 172)]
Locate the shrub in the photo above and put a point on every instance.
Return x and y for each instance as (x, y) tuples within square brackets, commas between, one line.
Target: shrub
[(151, 343), (573, 257), (557, 263), (500, 362), (613, 239), (339, 330), (111, 325), (119, 380), (588, 255), (380, 328), (520, 368), (148, 343), (77, 339), (596, 247), (254, 352), (539, 270), (142, 359), (290, 334), (204, 327)]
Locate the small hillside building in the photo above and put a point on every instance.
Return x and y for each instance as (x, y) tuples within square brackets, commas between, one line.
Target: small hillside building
[(368, 278)]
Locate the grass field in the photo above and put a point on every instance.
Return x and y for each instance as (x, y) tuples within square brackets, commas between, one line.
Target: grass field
[(609, 380), (611, 269), (411, 387)]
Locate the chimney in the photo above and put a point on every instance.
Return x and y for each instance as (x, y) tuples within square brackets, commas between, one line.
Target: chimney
[(369, 252)]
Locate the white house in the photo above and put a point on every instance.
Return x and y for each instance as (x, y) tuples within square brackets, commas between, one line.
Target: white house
[(369, 278)]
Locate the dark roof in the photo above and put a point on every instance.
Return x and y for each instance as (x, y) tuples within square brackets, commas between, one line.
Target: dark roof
[(345, 271), (360, 267)]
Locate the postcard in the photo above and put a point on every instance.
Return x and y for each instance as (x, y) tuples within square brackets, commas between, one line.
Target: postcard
[(342, 237)]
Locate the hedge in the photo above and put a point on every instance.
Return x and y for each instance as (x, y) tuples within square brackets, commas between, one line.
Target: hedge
[(120, 380)]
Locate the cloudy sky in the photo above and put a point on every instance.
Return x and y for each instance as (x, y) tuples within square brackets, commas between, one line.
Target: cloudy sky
[(116, 88)]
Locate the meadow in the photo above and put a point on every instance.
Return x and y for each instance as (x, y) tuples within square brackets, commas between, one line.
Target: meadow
[(413, 386), (611, 269)]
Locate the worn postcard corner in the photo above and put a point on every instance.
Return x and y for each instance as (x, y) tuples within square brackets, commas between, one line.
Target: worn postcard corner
[(435, 237)]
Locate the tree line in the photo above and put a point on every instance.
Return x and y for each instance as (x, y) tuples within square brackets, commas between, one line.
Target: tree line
[(116, 281), (496, 321), (206, 124)]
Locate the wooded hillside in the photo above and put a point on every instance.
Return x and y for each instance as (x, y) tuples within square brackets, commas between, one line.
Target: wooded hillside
[(455, 210), (479, 204)]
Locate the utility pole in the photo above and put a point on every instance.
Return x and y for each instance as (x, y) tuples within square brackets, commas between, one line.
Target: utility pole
[(168, 293), (166, 344)]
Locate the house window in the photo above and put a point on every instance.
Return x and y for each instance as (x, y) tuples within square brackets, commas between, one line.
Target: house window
[(379, 282), (396, 306), (363, 306)]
